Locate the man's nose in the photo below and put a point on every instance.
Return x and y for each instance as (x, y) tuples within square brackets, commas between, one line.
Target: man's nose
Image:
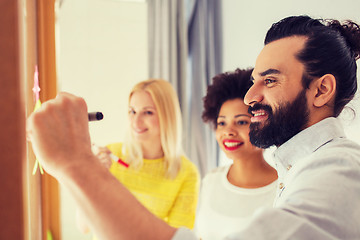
[(253, 95)]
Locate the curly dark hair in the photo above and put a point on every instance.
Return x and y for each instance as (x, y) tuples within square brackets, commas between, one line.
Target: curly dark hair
[(225, 86)]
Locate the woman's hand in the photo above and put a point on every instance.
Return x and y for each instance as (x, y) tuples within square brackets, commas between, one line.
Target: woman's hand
[(103, 154)]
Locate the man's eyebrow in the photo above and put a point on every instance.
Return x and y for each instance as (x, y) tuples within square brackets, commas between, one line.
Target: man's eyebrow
[(263, 74), (270, 71)]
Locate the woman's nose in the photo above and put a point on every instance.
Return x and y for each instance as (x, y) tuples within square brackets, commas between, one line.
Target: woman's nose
[(136, 120), (229, 131)]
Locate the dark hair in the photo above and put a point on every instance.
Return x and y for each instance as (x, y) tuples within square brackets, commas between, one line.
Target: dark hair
[(225, 86), (330, 48)]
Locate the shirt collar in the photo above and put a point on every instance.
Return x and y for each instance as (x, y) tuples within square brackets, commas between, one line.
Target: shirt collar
[(308, 141)]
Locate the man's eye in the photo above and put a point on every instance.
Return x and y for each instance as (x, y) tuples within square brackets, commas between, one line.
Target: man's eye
[(269, 81)]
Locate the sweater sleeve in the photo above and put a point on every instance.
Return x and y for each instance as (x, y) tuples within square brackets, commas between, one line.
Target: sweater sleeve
[(182, 214)]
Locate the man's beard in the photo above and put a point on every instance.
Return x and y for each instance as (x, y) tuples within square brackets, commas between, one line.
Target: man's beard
[(288, 120)]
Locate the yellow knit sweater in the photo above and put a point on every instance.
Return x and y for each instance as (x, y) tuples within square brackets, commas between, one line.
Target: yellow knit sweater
[(173, 200)]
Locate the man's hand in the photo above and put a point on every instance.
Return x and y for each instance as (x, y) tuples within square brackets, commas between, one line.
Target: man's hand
[(59, 133)]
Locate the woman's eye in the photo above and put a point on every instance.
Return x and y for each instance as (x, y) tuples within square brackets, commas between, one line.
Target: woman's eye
[(242, 122), (131, 112), (148, 113), (220, 123)]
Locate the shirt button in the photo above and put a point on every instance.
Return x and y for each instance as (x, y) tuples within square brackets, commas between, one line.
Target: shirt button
[(288, 167), (281, 185)]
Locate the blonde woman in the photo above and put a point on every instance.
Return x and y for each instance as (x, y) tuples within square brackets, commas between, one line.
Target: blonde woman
[(151, 163)]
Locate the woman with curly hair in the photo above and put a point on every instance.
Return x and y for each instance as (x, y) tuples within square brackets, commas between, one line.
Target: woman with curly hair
[(231, 194)]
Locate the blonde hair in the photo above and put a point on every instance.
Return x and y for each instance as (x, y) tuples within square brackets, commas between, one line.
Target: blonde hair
[(168, 109)]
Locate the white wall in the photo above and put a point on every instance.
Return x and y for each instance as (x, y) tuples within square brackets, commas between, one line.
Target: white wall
[(102, 53), (246, 23)]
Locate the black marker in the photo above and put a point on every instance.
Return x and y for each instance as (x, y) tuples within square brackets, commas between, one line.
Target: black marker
[(95, 116)]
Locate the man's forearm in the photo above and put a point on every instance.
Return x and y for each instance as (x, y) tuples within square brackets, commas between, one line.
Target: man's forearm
[(113, 212)]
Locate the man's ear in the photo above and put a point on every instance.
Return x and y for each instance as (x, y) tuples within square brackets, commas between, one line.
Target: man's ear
[(325, 89)]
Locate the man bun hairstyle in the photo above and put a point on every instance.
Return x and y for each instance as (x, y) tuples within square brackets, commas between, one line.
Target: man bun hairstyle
[(331, 48), (351, 32)]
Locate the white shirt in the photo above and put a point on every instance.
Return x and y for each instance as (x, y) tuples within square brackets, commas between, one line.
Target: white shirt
[(225, 208), (319, 189)]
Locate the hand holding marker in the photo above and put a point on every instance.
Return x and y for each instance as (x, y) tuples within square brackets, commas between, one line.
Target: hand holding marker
[(92, 116), (97, 116)]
